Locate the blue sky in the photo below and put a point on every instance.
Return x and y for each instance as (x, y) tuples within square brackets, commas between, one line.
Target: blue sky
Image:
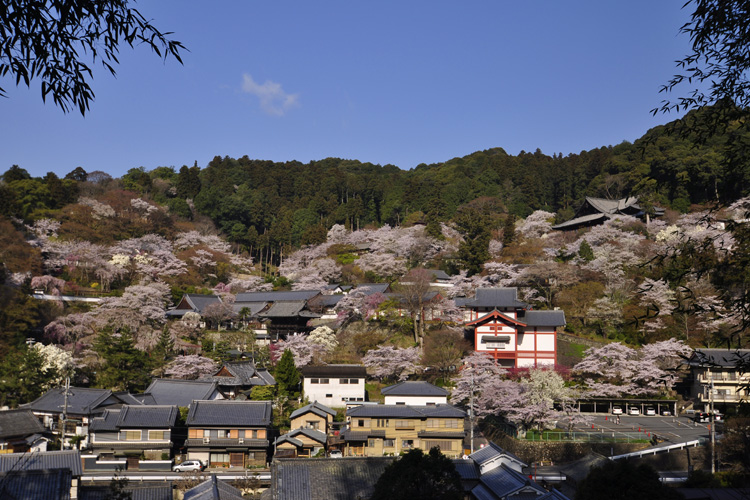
[(388, 82)]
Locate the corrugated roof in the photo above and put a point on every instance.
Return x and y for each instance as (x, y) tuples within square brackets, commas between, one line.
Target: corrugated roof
[(334, 371), (81, 401), (413, 388), (150, 417), (180, 392), (326, 478), (545, 318), (406, 411), (40, 460), (223, 412), (498, 298), (19, 423)]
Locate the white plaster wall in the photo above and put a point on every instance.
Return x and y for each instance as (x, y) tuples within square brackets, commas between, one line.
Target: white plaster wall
[(416, 400), (545, 342)]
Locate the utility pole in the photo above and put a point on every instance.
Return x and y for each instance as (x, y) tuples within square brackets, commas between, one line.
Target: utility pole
[(471, 415), (64, 414), (712, 420)]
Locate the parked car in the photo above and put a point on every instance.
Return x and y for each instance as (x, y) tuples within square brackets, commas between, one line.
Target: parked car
[(189, 466), (666, 413), (617, 410), (702, 416), (335, 454), (650, 411), (633, 410)]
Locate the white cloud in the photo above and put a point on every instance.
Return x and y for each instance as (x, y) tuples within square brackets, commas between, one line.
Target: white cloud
[(273, 99)]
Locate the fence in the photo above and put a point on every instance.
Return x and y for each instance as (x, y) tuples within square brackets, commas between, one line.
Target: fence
[(588, 437)]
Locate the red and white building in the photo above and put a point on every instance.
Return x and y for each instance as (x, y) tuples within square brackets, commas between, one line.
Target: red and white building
[(509, 330)]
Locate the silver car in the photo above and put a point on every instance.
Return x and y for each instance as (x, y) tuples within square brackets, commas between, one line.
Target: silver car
[(188, 466)]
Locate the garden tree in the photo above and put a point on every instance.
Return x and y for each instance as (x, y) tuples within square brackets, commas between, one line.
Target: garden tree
[(24, 376), (219, 313), (444, 349), (48, 40), (392, 363), (287, 375), (190, 367), (478, 370), (614, 369), (419, 476), (734, 447), (122, 366), (57, 364), (414, 289), (624, 480)]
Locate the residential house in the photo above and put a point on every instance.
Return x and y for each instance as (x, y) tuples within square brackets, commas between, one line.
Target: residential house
[(334, 385), (508, 330), (414, 393), (229, 433), (325, 478), (726, 370), (237, 378), (44, 475), (596, 211), (376, 430), (134, 431), (309, 432), (193, 302), (278, 314), (167, 391), (213, 489), (78, 406), (21, 431)]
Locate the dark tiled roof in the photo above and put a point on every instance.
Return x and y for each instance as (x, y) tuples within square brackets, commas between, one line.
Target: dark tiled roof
[(276, 296), (327, 300), (372, 288), (726, 358), (130, 399), (311, 433), (213, 489), (490, 452), (284, 309), (180, 392), (500, 298), (288, 438), (438, 274), (106, 423), (148, 417), (145, 399), (334, 371), (503, 481), (350, 435), (151, 492), (326, 478), (253, 307), (467, 469), (200, 302), (221, 412), (81, 401), (405, 411), (19, 423), (413, 388), (36, 484), (40, 460), (317, 408), (545, 318), (244, 373), (441, 435)]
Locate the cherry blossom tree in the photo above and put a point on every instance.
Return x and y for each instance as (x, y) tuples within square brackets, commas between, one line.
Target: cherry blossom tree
[(190, 367), (658, 300), (324, 336), (304, 350), (389, 362), (477, 372), (537, 224), (55, 360)]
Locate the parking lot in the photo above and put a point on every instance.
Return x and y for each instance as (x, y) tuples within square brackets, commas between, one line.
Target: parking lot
[(667, 428)]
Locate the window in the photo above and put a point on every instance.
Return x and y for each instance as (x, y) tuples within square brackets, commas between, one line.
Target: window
[(360, 423), (329, 395), (221, 433), (343, 381), (314, 380), (407, 444), (400, 403), (452, 423), (312, 424), (371, 443), (132, 435), (381, 422), (443, 445), (389, 443), (324, 381), (157, 435), (404, 424), (433, 422), (354, 381), (221, 458)]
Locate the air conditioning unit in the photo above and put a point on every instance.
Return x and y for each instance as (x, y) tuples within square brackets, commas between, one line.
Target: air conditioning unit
[(206, 440), (241, 440)]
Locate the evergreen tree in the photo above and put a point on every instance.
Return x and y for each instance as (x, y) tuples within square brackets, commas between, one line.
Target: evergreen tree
[(419, 476), (123, 366), (287, 375)]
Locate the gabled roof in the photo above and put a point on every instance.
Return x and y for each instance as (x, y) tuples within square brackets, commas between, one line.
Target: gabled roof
[(413, 388), (253, 307), (503, 481), (181, 392), (372, 288), (81, 401), (242, 373), (213, 489), (129, 399), (311, 433), (276, 296), (148, 417), (223, 412), (326, 478), (42, 460), (545, 318), (406, 411), (194, 302), (438, 274), (493, 452), (36, 484), (495, 314), (725, 358), (285, 309), (334, 371), (105, 423), (496, 298), (318, 409), (19, 423), (596, 210)]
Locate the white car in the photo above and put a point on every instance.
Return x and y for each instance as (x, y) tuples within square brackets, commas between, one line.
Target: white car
[(335, 454), (617, 410), (650, 411), (188, 466), (666, 413), (634, 411)]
